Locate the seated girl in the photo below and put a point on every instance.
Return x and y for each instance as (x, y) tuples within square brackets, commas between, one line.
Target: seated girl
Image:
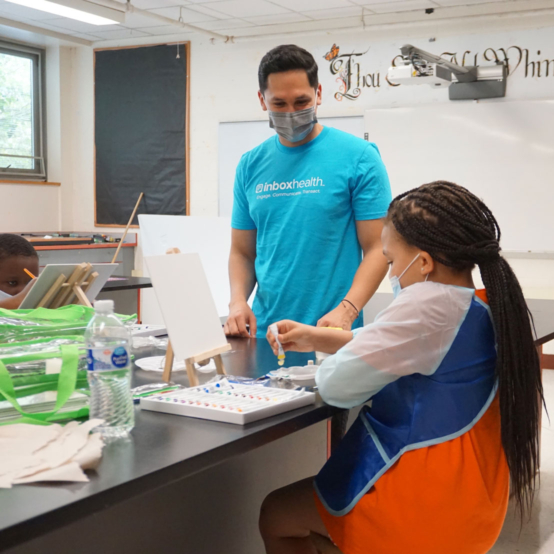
[(455, 384)]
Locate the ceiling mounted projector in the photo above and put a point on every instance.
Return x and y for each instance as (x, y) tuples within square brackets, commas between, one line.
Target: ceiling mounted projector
[(463, 82)]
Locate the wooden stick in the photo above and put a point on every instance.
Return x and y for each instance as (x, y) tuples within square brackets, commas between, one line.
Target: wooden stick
[(52, 291), (78, 283), (91, 278), (75, 277), (127, 228), (81, 296), (168, 367), (191, 372), (219, 365), (210, 353)]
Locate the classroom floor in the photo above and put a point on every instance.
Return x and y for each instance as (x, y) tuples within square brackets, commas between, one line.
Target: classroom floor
[(537, 536)]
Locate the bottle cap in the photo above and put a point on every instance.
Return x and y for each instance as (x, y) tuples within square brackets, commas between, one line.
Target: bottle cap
[(104, 306)]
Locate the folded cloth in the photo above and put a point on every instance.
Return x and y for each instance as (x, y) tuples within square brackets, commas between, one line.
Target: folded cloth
[(33, 453)]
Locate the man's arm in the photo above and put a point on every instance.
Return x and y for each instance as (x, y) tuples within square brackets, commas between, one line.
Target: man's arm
[(242, 277), (371, 272)]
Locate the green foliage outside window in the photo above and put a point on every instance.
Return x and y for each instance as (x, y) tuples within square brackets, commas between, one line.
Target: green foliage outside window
[(16, 111)]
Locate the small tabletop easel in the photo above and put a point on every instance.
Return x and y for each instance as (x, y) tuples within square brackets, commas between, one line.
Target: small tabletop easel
[(65, 289), (201, 359)]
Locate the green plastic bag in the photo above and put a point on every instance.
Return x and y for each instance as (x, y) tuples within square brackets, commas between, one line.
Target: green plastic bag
[(31, 339), (26, 325), (65, 383)]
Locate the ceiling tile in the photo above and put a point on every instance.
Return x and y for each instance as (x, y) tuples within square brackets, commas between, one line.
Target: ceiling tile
[(188, 16), (138, 20), (247, 8), (278, 18), (352, 11), (163, 30), (404, 6), (306, 5), (201, 8), (120, 34), (149, 4), (450, 3), (369, 3), (86, 36), (224, 24), (22, 12)]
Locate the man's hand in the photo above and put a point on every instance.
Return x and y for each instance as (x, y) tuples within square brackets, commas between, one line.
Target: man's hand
[(240, 315), (293, 336), (342, 317)]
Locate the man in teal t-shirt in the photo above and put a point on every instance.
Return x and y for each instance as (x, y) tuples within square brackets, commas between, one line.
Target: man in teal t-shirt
[(307, 203)]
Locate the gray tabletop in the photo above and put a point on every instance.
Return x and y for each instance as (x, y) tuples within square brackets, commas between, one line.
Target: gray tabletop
[(127, 283), (162, 448)]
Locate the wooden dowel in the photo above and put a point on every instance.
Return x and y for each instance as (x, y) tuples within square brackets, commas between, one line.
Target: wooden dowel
[(169, 359), (128, 225)]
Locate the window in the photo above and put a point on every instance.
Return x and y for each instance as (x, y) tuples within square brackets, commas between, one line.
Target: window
[(22, 148)]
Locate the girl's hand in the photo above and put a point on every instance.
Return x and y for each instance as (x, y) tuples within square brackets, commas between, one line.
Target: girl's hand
[(293, 336)]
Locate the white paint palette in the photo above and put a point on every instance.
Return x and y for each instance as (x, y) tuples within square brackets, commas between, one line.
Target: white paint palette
[(229, 403)]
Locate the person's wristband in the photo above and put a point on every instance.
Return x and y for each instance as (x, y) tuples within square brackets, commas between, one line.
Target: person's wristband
[(348, 301)]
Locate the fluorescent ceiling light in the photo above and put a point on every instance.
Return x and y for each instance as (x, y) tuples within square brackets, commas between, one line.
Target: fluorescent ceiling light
[(76, 9)]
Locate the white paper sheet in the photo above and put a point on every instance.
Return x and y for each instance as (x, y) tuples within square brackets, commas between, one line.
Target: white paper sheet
[(34, 453)]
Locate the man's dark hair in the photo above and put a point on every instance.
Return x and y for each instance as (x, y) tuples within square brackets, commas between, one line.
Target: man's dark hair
[(12, 246), (287, 57)]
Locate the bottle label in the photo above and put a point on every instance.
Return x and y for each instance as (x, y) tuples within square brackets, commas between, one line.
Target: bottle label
[(107, 359)]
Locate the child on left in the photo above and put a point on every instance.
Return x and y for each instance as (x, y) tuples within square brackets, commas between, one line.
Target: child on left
[(16, 255)]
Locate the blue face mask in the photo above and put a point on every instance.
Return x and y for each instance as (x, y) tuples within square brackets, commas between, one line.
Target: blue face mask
[(395, 281)]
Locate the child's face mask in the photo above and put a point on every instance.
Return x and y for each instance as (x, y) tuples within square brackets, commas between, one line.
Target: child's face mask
[(395, 281), (4, 295)]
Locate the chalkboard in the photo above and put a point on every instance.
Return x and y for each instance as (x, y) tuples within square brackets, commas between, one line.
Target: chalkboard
[(141, 134)]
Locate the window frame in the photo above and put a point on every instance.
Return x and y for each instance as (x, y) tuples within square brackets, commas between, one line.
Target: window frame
[(37, 56)]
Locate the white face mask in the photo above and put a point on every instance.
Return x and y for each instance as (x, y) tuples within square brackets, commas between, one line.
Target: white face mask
[(293, 126), (395, 281), (4, 295)]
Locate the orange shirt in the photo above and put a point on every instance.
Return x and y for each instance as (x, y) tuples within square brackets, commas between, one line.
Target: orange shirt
[(450, 498)]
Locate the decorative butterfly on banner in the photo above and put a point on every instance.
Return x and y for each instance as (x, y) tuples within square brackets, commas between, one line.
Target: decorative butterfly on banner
[(333, 53)]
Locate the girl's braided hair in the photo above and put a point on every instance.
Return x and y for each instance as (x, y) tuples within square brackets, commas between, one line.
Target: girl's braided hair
[(458, 230)]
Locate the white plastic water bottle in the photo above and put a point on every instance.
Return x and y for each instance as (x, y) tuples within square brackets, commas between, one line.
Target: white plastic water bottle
[(109, 373)]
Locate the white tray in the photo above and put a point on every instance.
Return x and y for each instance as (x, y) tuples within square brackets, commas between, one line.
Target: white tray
[(254, 409)]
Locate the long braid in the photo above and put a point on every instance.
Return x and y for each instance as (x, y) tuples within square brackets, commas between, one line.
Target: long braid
[(458, 230)]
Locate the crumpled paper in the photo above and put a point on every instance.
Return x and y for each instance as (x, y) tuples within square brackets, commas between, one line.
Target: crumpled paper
[(34, 453)]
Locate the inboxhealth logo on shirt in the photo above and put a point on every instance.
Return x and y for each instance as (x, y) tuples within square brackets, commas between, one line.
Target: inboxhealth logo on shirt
[(294, 185)]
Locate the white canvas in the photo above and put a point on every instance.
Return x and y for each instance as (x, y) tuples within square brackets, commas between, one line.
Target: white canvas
[(210, 237), (187, 305), (51, 272)]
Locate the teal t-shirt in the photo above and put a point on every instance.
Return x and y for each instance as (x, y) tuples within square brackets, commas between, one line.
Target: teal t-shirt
[(304, 202)]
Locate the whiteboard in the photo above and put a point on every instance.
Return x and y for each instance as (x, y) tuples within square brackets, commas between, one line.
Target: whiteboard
[(502, 151), (210, 237), (235, 139)]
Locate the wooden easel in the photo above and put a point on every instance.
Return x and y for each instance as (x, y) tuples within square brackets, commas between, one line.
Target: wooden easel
[(201, 359), (65, 289)]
